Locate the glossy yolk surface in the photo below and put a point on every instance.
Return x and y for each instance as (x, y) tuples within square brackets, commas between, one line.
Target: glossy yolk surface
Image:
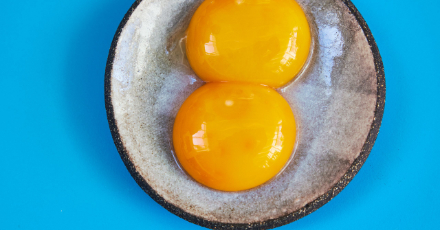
[(234, 136), (263, 42)]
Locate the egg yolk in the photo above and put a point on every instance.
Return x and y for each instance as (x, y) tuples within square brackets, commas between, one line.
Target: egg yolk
[(256, 41), (234, 136)]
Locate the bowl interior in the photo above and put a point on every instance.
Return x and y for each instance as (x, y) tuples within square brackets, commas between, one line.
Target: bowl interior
[(334, 101)]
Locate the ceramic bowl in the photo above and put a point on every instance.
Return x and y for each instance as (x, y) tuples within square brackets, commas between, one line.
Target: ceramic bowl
[(338, 101)]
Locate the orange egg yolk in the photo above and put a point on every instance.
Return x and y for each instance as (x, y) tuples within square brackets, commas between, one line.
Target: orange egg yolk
[(256, 41), (234, 136)]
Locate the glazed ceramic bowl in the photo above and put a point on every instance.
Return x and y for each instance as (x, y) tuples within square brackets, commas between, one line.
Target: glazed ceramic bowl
[(338, 101)]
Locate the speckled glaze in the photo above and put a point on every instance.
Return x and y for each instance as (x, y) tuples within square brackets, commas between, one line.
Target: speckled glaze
[(338, 101)]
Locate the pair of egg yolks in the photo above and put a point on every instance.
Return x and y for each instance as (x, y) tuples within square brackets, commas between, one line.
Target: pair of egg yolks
[(237, 135), (234, 136), (257, 41)]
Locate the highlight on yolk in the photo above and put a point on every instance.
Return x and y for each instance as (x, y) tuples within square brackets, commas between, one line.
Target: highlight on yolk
[(234, 136), (263, 42)]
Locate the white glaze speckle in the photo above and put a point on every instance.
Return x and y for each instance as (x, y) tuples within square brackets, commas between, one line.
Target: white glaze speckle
[(333, 101), (330, 39)]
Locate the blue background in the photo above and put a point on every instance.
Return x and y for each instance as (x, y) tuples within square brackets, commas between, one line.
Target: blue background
[(59, 168)]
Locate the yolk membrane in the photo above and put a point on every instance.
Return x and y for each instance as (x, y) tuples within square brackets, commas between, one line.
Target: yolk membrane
[(256, 41), (234, 136)]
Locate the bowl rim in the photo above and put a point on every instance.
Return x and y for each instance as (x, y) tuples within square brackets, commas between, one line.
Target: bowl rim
[(271, 223)]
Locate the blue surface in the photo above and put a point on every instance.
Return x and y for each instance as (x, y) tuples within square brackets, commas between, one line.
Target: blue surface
[(59, 168)]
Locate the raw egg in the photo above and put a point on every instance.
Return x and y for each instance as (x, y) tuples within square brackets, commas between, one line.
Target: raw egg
[(234, 136), (255, 41)]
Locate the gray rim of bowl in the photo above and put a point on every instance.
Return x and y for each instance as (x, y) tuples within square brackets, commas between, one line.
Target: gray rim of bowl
[(271, 223)]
